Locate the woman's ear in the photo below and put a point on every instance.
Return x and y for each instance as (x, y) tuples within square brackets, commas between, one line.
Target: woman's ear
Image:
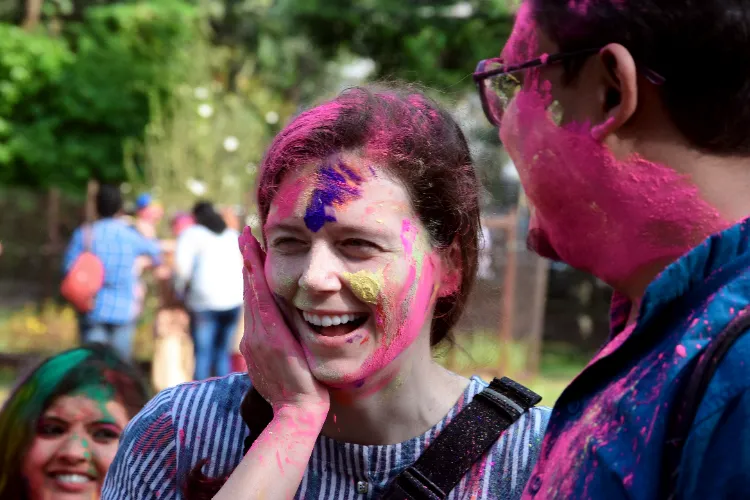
[(451, 270)]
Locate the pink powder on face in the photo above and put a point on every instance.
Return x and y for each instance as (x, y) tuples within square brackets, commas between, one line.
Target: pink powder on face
[(595, 212), (401, 320), (287, 200), (408, 234)]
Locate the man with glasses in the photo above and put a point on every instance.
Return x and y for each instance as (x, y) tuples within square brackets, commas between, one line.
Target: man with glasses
[(629, 124)]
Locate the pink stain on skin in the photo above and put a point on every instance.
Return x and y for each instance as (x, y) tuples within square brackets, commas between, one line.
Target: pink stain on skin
[(638, 212), (403, 321), (287, 201), (635, 211), (412, 303)]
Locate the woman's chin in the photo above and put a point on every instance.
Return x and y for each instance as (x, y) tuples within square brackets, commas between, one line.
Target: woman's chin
[(339, 373)]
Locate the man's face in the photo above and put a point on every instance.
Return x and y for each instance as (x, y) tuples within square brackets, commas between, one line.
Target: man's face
[(597, 206)]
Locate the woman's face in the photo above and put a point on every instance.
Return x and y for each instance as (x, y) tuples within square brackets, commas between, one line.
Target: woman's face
[(76, 440), (352, 267)]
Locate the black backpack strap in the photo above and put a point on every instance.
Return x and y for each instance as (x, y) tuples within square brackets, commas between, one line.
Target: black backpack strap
[(688, 399), (463, 441)]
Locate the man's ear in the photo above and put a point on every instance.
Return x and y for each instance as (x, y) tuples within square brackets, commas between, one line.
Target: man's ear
[(451, 269), (618, 94)]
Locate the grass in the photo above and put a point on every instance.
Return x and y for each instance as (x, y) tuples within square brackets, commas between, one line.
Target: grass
[(481, 354)]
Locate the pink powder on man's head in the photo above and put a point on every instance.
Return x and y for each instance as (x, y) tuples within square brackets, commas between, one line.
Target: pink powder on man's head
[(581, 7)]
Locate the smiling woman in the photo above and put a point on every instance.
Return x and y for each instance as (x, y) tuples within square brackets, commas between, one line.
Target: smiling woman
[(61, 425), (370, 218)]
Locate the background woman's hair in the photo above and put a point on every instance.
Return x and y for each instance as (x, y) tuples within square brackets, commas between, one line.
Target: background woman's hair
[(421, 146), (57, 376), (206, 215)]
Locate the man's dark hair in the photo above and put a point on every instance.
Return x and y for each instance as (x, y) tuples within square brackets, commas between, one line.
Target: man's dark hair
[(699, 46), (206, 216), (108, 200)]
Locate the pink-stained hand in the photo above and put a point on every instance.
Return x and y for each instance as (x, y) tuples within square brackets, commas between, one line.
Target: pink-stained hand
[(275, 360)]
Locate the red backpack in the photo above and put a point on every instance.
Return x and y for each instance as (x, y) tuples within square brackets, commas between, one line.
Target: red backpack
[(85, 278)]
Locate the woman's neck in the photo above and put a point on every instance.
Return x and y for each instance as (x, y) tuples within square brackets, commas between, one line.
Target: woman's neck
[(411, 399)]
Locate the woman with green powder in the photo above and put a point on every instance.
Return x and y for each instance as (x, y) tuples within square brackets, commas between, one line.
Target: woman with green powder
[(60, 427)]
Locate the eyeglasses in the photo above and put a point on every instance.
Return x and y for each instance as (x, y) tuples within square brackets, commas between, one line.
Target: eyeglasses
[(497, 84)]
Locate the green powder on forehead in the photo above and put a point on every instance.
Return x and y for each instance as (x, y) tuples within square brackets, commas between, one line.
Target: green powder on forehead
[(365, 285), (100, 394), (37, 390)]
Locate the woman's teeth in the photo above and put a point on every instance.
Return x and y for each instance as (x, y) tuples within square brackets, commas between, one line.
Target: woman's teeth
[(72, 478), (325, 321)]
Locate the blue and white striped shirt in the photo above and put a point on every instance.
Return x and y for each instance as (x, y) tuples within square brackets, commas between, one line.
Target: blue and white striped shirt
[(190, 422)]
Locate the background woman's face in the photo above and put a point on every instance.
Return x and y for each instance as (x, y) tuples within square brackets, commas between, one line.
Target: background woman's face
[(352, 266), (76, 440)]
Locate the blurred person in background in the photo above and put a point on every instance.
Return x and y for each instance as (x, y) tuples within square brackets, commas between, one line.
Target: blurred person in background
[(60, 426), (115, 310), (145, 220), (173, 360), (208, 267)]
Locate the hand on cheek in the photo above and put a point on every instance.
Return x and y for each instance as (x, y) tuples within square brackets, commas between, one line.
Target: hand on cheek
[(276, 363)]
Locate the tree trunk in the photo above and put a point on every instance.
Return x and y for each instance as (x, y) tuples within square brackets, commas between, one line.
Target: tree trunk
[(32, 15)]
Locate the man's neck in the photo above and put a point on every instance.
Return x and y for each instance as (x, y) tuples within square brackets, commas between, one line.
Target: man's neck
[(411, 401)]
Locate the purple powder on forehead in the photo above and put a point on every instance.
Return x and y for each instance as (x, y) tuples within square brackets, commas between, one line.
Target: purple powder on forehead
[(354, 176), (333, 186)]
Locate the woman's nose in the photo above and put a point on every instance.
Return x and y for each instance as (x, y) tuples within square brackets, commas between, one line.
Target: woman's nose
[(322, 271), (74, 450)]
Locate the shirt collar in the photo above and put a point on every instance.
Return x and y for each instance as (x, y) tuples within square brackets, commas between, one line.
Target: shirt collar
[(685, 274)]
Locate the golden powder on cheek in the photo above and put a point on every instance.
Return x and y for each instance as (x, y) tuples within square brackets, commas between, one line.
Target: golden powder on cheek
[(365, 285)]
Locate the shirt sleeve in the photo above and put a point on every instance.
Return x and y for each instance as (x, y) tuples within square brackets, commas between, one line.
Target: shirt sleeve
[(724, 472), (149, 247), (144, 467), (74, 250)]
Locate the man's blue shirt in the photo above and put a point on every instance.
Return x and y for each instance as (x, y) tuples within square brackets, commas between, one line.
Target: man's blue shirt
[(606, 434)]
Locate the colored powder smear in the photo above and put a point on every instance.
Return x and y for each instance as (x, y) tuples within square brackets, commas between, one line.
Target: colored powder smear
[(365, 285), (401, 315), (334, 185), (634, 212)]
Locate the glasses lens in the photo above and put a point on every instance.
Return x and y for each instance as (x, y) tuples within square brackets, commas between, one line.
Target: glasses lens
[(499, 91)]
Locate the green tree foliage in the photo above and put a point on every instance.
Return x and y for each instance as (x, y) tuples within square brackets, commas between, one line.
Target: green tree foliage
[(85, 82), (436, 42), (68, 102)]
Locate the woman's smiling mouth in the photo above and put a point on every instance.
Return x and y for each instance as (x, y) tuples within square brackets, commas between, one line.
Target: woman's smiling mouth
[(330, 324)]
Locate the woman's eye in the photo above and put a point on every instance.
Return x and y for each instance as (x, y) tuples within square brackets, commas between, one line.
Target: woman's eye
[(105, 435), (360, 246), (288, 244), (50, 429), (358, 242)]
